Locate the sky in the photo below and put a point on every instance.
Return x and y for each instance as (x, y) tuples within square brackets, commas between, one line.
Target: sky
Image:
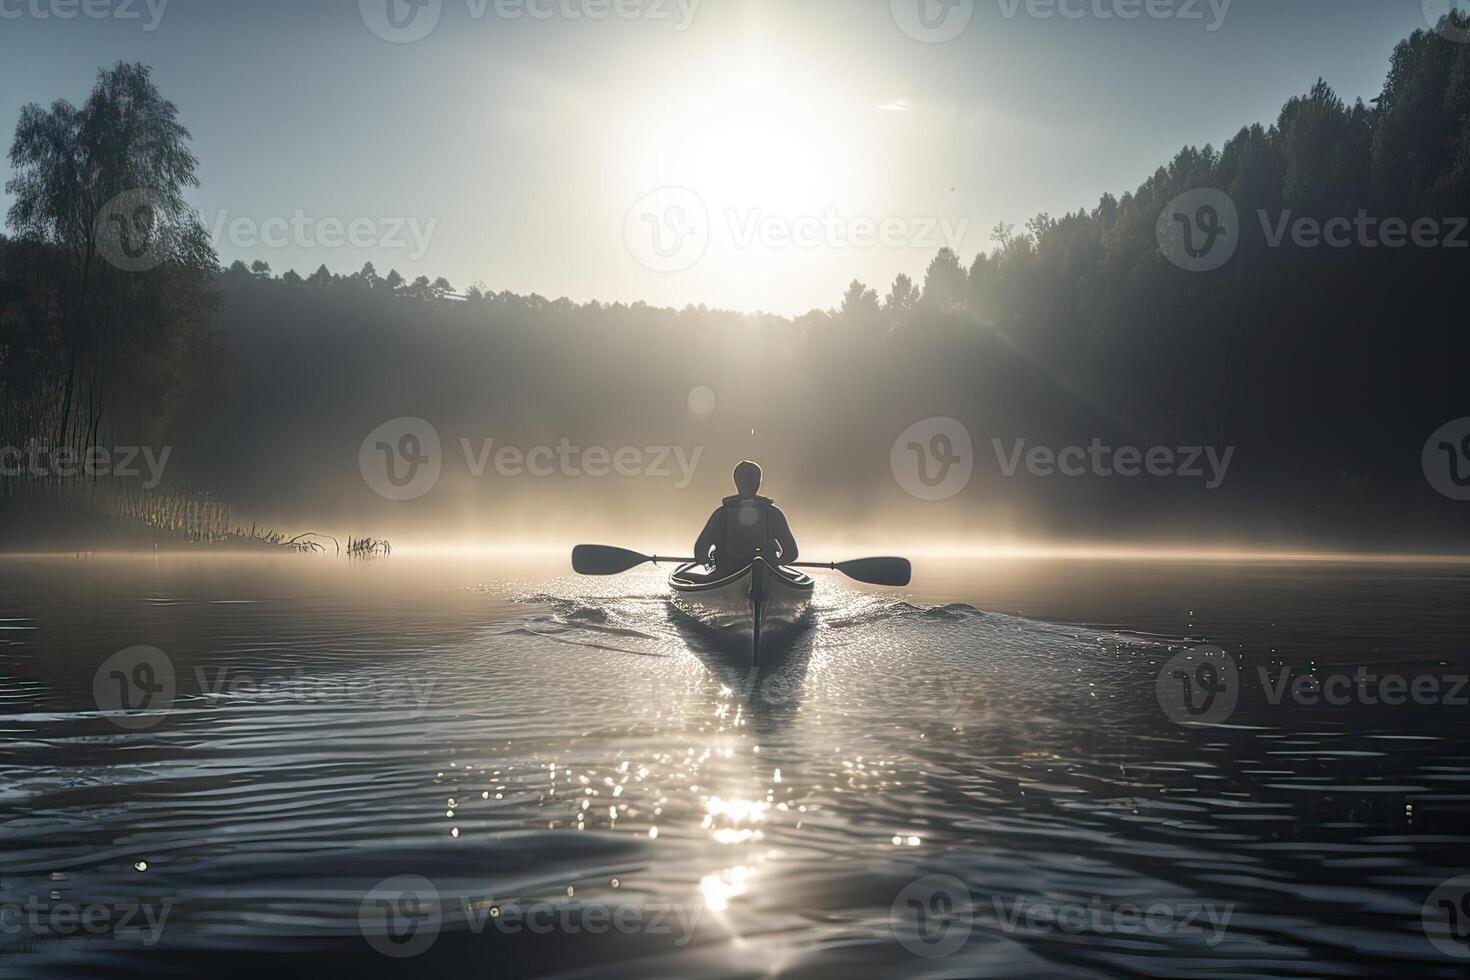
[(740, 154)]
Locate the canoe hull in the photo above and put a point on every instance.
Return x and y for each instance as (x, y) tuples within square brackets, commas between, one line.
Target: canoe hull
[(756, 601)]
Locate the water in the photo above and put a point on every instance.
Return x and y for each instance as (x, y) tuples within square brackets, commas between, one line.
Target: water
[(482, 762)]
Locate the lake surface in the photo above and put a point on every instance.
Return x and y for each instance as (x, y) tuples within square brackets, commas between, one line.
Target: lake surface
[(310, 766)]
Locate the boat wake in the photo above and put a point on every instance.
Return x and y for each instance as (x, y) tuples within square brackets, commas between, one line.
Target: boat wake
[(648, 623), (592, 624)]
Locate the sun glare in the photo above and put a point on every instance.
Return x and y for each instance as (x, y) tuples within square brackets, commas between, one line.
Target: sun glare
[(760, 128)]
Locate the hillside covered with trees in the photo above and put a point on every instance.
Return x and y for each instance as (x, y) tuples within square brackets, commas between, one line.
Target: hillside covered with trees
[(1325, 368)]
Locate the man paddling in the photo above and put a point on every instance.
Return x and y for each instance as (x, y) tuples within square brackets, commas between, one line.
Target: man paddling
[(745, 526)]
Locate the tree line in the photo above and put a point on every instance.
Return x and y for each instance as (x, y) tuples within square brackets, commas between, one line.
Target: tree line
[(365, 278), (1327, 367)]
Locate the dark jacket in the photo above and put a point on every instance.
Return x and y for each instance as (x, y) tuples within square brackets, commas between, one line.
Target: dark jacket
[(742, 528)]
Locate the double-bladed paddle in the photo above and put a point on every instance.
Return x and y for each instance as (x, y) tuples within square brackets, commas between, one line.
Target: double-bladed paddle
[(597, 559)]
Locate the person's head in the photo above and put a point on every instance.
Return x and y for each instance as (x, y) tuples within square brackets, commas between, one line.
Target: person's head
[(747, 479)]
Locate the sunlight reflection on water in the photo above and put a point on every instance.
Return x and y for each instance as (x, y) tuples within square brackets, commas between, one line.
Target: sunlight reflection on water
[(579, 735)]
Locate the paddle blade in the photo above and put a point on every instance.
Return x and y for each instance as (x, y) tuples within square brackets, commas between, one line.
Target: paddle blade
[(598, 559), (879, 571)]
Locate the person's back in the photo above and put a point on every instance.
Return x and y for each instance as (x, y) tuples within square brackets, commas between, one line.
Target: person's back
[(746, 526)]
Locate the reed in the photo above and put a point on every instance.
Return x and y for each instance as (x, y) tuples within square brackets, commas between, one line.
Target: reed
[(368, 548), (89, 514)]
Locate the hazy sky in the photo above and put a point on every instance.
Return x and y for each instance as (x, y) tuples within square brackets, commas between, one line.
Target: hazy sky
[(736, 153)]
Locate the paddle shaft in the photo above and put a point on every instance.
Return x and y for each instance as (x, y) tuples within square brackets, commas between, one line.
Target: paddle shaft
[(784, 564), (596, 559)]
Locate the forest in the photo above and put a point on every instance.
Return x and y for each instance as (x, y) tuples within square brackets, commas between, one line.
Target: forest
[(1324, 367)]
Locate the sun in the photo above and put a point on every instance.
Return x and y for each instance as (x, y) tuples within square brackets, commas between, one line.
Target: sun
[(758, 128)]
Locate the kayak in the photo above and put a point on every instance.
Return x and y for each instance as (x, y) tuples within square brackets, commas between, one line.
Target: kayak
[(759, 599)]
